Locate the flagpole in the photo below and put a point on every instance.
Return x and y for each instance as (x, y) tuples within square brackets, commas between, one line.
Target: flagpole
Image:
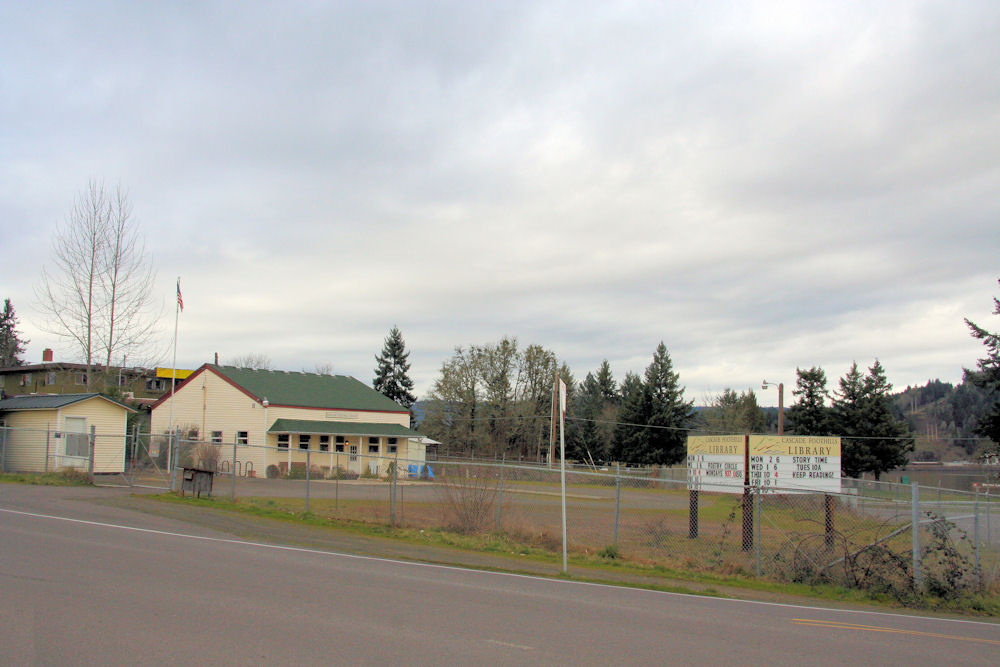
[(171, 455), (562, 472)]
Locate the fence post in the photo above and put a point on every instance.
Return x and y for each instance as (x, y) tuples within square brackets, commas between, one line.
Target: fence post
[(90, 462), (308, 466), (975, 533), (48, 435), (392, 490), (503, 462), (336, 483), (828, 519), (618, 500), (232, 472), (3, 448), (918, 579)]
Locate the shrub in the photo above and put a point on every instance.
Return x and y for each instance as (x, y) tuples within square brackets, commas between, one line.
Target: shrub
[(272, 472)]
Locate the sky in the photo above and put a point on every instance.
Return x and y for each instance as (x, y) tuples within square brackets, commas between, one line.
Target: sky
[(763, 186)]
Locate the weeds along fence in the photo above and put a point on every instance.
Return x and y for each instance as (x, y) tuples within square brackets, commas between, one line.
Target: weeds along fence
[(890, 538)]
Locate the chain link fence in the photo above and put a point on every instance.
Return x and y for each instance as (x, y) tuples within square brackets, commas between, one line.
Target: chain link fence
[(862, 537)]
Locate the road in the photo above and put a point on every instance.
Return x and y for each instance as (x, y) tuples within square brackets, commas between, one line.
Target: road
[(88, 583)]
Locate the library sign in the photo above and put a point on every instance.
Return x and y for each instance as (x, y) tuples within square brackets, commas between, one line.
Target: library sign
[(777, 464)]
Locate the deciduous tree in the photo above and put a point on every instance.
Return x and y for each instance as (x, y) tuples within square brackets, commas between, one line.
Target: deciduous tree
[(98, 295)]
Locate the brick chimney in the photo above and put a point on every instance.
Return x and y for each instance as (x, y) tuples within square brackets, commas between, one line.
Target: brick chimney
[(47, 355)]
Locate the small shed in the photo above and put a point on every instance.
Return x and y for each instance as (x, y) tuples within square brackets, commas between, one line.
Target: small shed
[(46, 432)]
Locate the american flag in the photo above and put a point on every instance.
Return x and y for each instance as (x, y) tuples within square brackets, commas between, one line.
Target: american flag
[(180, 299)]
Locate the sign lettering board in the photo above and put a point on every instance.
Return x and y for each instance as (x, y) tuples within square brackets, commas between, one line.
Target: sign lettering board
[(778, 464), (789, 463), (715, 463)]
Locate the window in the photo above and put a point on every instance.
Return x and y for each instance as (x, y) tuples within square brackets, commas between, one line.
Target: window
[(340, 447), (324, 443), (242, 438), (373, 449), (80, 378), (340, 439), (393, 449), (304, 440), (77, 442), (282, 441), (192, 434), (50, 378), (25, 379), (372, 441), (354, 453), (217, 437), (156, 384)]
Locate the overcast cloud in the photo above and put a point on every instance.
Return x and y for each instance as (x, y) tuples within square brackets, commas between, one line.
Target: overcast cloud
[(762, 186)]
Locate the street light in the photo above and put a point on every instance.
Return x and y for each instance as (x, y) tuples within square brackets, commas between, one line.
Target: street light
[(781, 404)]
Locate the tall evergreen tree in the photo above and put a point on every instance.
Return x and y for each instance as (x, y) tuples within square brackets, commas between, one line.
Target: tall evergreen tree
[(631, 443), (874, 440), (392, 372), (987, 377), (810, 416), (670, 414), (735, 413), (597, 400), (11, 343)]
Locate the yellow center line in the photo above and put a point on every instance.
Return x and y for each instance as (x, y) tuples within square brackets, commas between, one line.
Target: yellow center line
[(874, 628)]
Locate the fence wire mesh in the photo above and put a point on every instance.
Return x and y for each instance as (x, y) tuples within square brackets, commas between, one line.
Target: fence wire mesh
[(861, 537)]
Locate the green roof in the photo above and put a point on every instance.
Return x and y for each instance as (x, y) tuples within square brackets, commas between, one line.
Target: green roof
[(50, 401), (341, 428), (308, 390)]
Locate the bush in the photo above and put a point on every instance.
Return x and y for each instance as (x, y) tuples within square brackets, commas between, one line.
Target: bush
[(272, 472)]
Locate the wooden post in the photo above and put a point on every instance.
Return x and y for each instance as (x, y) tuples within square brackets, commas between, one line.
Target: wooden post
[(747, 498)]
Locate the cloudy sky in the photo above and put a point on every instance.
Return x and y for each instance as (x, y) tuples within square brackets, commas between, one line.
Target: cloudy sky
[(760, 185)]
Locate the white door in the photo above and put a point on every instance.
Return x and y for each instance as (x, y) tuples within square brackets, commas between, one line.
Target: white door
[(354, 461), (76, 444)]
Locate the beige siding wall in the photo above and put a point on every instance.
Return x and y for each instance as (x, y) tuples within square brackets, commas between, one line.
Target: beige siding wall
[(109, 422), (210, 403), (27, 442)]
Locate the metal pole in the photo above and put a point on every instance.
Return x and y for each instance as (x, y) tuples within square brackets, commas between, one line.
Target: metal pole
[(48, 433), (90, 464), (918, 579), (392, 490), (975, 530), (3, 448), (308, 452), (503, 462), (562, 478), (232, 472), (336, 483), (618, 500)]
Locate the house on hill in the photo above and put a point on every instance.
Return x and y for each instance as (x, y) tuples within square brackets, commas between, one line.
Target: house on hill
[(43, 432), (280, 418)]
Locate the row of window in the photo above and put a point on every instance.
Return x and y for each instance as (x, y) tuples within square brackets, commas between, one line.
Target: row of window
[(305, 440), (51, 378)]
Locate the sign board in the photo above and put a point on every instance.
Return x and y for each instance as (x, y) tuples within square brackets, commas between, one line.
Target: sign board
[(716, 463), (784, 464), (778, 464)]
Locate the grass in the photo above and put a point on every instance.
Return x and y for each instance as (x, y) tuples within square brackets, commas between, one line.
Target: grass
[(612, 564), (65, 477)]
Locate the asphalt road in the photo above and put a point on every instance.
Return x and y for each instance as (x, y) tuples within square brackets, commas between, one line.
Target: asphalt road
[(83, 583)]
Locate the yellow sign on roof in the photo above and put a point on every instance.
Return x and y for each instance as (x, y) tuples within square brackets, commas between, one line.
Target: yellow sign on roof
[(178, 373)]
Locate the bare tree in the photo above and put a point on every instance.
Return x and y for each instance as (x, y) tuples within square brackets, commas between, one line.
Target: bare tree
[(254, 360), (98, 294), (326, 368)]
